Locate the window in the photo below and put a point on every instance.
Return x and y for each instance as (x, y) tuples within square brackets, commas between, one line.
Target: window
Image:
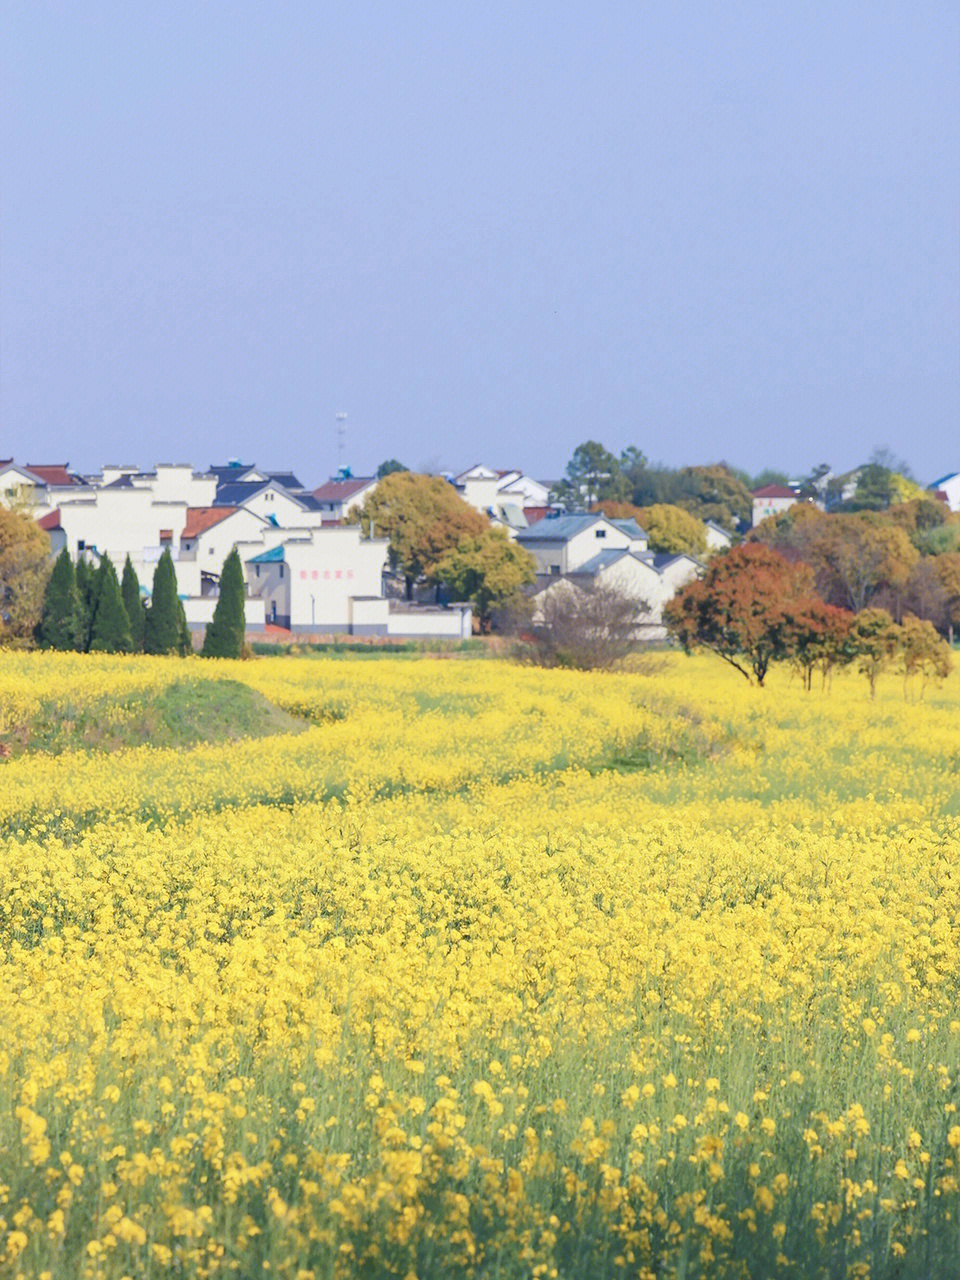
[(281, 571), (601, 533), (257, 567), (81, 545), (555, 569)]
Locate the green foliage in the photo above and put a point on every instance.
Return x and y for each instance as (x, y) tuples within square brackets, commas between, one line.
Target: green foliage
[(489, 570), (224, 636), (390, 467), (61, 624), (163, 631), (673, 529), (422, 516), (133, 603), (875, 638), (593, 475), (87, 586), (111, 626), (715, 493)]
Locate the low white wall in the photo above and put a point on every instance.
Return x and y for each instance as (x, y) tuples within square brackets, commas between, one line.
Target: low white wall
[(199, 611), (453, 623)]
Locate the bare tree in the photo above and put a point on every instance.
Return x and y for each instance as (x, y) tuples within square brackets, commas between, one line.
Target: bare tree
[(584, 627)]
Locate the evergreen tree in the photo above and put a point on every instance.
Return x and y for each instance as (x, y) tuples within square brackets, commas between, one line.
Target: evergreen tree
[(61, 624), (133, 603), (224, 637), (111, 626), (87, 584), (184, 639), (162, 629)]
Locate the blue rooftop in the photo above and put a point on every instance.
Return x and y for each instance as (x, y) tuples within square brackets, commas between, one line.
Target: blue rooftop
[(273, 556)]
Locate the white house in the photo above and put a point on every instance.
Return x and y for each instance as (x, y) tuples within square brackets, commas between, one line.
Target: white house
[(310, 581), (342, 493), (648, 578), (562, 544), (485, 488), (770, 500), (950, 486), (718, 539)]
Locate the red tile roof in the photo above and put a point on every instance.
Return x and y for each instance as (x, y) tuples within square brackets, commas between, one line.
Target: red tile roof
[(53, 474), (199, 519), (534, 514), (50, 521), (774, 491), (337, 490)]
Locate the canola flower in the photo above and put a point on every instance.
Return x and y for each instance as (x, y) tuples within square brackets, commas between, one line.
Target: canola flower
[(430, 990)]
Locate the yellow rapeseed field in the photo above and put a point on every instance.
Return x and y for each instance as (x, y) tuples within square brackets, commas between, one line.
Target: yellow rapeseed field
[(489, 972)]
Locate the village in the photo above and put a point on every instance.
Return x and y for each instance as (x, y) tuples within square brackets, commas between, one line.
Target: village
[(311, 569)]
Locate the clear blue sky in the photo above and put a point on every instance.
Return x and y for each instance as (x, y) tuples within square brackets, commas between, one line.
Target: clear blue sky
[(487, 232)]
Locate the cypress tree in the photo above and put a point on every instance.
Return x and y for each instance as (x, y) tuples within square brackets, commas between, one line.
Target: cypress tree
[(162, 630), (87, 584), (61, 625), (224, 637), (133, 603), (111, 626), (185, 639)]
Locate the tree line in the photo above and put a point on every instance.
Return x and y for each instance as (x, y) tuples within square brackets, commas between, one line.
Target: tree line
[(753, 607), (87, 609)]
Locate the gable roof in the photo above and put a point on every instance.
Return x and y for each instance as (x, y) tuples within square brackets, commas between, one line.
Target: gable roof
[(50, 521), (337, 490), (773, 491), (231, 473), (235, 495), (563, 528), (602, 560), (54, 473), (630, 527), (951, 475), (199, 519), (20, 469), (560, 528), (286, 478)]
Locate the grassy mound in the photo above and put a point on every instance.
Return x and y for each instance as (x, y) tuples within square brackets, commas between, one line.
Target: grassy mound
[(182, 715)]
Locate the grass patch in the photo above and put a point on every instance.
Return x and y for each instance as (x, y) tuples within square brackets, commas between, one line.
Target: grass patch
[(182, 715)]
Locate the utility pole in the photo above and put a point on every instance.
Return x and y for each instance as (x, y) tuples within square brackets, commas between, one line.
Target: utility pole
[(341, 438)]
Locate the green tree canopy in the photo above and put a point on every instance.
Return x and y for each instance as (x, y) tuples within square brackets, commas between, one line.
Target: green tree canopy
[(133, 603), (224, 636), (489, 570), (163, 631), (60, 624), (389, 467), (593, 475), (423, 517), (111, 626), (87, 586)]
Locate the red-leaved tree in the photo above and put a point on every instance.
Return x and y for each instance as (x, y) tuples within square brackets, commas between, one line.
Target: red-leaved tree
[(742, 608), (817, 635)]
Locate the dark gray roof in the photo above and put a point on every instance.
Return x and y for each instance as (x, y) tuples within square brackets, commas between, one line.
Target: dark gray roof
[(602, 560), (558, 528), (630, 528), (286, 478), (232, 473), (563, 528)]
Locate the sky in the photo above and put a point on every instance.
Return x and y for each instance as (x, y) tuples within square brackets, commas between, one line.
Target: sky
[(485, 232)]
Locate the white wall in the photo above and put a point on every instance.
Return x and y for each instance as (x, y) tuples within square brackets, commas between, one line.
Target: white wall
[(312, 588), (455, 622)]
